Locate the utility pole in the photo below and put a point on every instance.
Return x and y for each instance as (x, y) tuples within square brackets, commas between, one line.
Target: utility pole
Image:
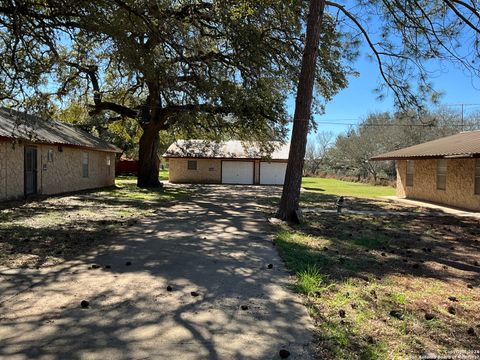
[(462, 118)]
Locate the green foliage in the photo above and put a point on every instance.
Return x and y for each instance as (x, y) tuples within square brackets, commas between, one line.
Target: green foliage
[(216, 70), (311, 282), (124, 132)]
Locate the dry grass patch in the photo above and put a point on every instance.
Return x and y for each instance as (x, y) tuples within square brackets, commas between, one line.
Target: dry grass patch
[(390, 286), (51, 230)]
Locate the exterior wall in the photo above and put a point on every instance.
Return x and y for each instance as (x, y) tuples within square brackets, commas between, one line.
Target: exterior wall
[(179, 173), (11, 170), (209, 171), (63, 174), (460, 183), (401, 166)]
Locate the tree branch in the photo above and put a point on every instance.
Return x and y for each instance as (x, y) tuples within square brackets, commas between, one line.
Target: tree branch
[(371, 45), (99, 105), (461, 16)]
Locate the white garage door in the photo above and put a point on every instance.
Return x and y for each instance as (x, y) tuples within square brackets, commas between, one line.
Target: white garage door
[(272, 173), (237, 172)]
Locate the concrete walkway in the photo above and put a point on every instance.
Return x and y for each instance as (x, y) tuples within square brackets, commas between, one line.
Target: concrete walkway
[(441, 208), (216, 245)]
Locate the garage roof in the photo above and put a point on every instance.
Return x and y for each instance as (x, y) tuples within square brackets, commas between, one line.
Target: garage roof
[(465, 144), (233, 149), (19, 125)]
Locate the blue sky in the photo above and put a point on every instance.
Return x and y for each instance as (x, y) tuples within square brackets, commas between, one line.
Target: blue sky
[(358, 100)]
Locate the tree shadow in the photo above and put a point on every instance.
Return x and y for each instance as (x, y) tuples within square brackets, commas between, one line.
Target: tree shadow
[(216, 244), (61, 228), (421, 250)]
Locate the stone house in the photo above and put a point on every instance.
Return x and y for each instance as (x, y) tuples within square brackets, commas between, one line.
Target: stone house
[(47, 157), (444, 171), (226, 162)]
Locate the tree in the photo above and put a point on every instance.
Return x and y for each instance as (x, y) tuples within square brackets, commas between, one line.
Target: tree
[(123, 132), (316, 151), (303, 104), (384, 132), (403, 38), (189, 67)]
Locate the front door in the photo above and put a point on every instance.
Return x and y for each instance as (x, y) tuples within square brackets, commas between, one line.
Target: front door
[(30, 170)]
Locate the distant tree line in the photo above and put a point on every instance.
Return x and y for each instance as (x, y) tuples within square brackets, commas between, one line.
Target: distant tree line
[(347, 155)]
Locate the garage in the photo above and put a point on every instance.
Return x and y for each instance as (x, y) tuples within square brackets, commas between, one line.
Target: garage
[(272, 173), (237, 172), (226, 162)]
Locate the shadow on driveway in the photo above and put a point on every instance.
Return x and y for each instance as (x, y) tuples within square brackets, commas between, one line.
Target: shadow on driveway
[(216, 244)]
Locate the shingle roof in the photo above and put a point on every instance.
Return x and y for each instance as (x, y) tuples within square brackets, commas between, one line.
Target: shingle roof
[(18, 125), (465, 144), (224, 150)]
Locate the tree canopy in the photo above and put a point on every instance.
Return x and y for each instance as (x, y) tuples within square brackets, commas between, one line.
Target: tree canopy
[(403, 38), (209, 67), (348, 155)]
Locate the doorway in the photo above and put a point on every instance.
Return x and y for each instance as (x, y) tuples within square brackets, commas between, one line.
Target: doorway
[(30, 170)]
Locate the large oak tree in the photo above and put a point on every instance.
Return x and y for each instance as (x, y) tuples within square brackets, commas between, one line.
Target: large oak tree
[(221, 68)]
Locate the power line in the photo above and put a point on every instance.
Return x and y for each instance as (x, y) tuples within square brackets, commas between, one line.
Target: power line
[(381, 125)]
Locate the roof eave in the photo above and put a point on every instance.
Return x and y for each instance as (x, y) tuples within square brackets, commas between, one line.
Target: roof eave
[(219, 158), (425, 157), (113, 149)]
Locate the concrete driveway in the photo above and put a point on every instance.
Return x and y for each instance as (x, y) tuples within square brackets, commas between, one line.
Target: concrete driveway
[(218, 245)]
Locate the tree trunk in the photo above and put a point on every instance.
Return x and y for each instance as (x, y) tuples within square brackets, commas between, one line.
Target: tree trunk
[(289, 202), (148, 161)]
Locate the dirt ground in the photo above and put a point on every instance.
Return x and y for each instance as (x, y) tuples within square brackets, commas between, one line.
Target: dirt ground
[(392, 285), (47, 231), (404, 282), (197, 278)]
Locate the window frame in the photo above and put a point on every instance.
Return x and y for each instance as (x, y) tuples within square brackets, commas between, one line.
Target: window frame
[(50, 155), (192, 165), (442, 175), (109, 163), (85, 165), (476, 180), (410, 174)]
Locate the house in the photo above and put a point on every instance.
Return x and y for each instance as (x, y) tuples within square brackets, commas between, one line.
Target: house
[(445, 171), (40, 156), (227, 162)]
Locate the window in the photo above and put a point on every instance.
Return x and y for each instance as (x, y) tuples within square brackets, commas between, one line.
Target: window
[(409, 172), (477, 176), (441, 174), (192, 164), (85, 165), (108, 164), (50, 155)]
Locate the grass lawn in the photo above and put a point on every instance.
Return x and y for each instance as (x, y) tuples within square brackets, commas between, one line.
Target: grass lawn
[(345, 188), (64, 227), (386, 287), (164, 174)]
